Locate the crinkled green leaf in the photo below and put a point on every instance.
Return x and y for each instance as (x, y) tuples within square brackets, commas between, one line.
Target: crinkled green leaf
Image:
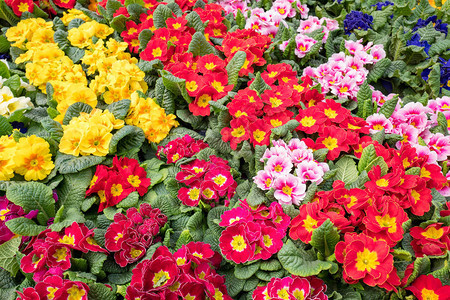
[(72, 164), (99, 291), (243, 272), (74, 111), (324, 238), (33, 195), (194, 21), (346, 170), (234, 285), (234, 66), (127, 140), (388, 107), (4, 70), (174, 84), (54, 128), (378, 70), (160, 15), (25, 227), (259, 85), (7, 255), (5, 126), (119, 109), (270, 265), (195, 226), (130, 201), (364, 94), (199, 46)]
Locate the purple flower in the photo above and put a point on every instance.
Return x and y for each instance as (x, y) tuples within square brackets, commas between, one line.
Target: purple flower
[(357, 20)]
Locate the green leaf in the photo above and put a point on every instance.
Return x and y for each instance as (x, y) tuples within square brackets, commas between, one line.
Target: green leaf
[(434, 80), (185, 238), (119, 109), (127, 140), (195, 226), (282, 130), (72, 164), (111, 7), (442, 121), (118, 23), (8, 252), (379, 161), (251, 284), (160, 15), (234, 66), (99, 291), (199, 46), (346, 170), (54, 128), (122, 278), (130, 201), (60, 37), (240, 19), (321, 154), (214, 216), (259, 85), (295, 261), (256, 196), (4, 70), (233, 284), (25, 227), (325, 238), (74, 111), (140, 2), (245, 271), (7, 14), (33, 195), (194, 21), (439, 47), (421, 266), (388, 107), (174, 84), (367, 156), (4, 46), (378, 70), (5, 126), (13, 83), (364, 94), (402, 254), (270, 265), (310, 192)]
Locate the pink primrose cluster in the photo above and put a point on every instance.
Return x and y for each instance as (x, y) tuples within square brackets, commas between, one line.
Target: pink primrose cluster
[(343, 74), (280, 160)]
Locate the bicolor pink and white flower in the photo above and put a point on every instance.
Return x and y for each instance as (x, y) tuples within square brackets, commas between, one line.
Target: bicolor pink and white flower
[(289, 189)]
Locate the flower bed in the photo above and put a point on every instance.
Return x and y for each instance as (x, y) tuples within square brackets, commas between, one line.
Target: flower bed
[(224, 150)]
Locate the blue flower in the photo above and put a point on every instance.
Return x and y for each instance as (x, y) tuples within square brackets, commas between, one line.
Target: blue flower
[(4, 56), (357, 20), (438, 25), (20, 126), (415, 41), (445, 73), (380, 5)]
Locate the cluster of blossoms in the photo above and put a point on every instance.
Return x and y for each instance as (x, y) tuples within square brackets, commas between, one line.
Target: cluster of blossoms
[(89, 134), (9, 103), (49, 252), (338, 130), (184, 147), (150, 117), (117, 75), (113, 184), (173, 39), (411, 121), (433, 240), (207, 181), (303, 42), (9, 211), (291, 288), (207, 82), (279, 163), (189, 273), (253, 233), (130, 236), (29, 157), (253, 115), (267, 22), (21, 6), (373, 227), (357, 20), (343, 74), (55, 287)]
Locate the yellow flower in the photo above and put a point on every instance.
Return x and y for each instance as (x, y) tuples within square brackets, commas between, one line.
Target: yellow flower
[(6, 169), (70, 142), (79, 38), (33, 158), (96, 141), (73, 14)]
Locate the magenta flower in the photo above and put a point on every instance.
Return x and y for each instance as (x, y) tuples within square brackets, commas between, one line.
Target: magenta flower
[(289, 189)]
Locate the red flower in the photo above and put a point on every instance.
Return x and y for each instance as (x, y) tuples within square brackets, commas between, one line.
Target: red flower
[(279, 119), (191, 195), (156, 49), (75, 289), (235, 244), (238, 132), (210, 63), (117, 189), (21, 6), (276, 100), (59, 256), (364, 258), (335, 140), (333, 111), (65, 3), (302, 226), (311, 120), (433, 240), (427, 287), (200, 106)]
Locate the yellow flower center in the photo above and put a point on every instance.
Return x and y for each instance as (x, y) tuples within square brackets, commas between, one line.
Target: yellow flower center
[(3, 212), (238, 131), (309, 224), (210, 66), (194, 193), (75, 293), (176, 25), (267, 240), (429, 295), (259, 135), (275, 101), (60, 254), (134, 180), (278, 168), (51, 292), (116, 190), (208, 193), (203, 100), (157, 52), (330, 113), (219, 180), (118, 236), (191, 86), (387, 221), (308, 121), (218, 86), (67, 239), (238, 243), (23, 7), (382, 182), (425, 173), (366, 260), (287, 190), (330, 143), (433, 233), (275, 123), (135, 252), (268, 182), (343, 89), (161, 278)]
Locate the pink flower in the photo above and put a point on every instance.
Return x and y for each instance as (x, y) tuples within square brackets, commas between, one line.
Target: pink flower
[(289, 189), (235, 216), (310, 171), (378, 122), (309, 25), (424, 151), (278, 165), (440, 104), (409, 133), (275, 151), (353, 46), (377, 53), (304, 44), (263, 180), (303, 10), (441, 145)]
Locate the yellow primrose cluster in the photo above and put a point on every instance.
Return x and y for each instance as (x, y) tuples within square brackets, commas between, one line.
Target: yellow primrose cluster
[(81, 36), (146, 114), (72, 14), (118, 74), (30, 157), (89, 133)]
